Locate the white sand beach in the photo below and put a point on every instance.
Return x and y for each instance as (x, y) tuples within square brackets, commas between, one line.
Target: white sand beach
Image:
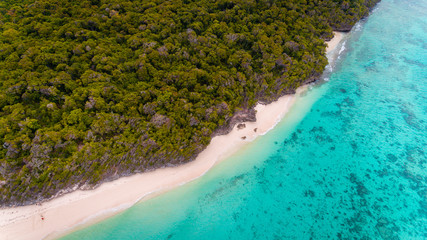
[(338, 36), (65, 213)]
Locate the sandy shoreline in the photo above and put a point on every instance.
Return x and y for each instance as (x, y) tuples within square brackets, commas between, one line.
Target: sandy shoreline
[(338, 36), (67, 212)]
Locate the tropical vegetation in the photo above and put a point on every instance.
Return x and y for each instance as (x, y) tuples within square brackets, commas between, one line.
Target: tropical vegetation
[(92, 90)]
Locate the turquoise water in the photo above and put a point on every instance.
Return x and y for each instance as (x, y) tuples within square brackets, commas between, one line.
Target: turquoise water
[(348, 162)]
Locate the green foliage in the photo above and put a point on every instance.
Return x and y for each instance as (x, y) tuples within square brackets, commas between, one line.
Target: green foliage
[(91, 89)]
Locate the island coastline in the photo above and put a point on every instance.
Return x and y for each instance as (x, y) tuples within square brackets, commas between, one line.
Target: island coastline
[(60, 215)]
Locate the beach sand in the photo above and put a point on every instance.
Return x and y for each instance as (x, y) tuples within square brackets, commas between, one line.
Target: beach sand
[(338, 36), (67, 213)]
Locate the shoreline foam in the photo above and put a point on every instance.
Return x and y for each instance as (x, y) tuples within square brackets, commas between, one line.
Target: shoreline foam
[(67, 213)]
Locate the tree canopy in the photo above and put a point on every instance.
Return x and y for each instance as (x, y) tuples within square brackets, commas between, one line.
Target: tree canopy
[(95, 89)]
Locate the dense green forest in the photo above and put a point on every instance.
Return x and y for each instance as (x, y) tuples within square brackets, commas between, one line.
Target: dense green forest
[(91, 90)]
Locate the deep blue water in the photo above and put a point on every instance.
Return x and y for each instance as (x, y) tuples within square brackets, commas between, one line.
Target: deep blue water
[(348, 161)]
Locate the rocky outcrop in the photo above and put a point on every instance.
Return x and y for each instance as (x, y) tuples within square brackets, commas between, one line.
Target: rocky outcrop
[(245, 115)]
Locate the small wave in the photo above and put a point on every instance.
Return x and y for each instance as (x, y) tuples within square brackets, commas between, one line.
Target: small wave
[(342, 48), (358, 27), (377, 7)]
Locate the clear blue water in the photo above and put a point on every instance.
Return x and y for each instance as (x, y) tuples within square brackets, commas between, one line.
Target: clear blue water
[(348, 162)]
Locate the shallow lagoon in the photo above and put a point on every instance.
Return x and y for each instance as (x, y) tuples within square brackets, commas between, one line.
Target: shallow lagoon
[(348, 161)]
